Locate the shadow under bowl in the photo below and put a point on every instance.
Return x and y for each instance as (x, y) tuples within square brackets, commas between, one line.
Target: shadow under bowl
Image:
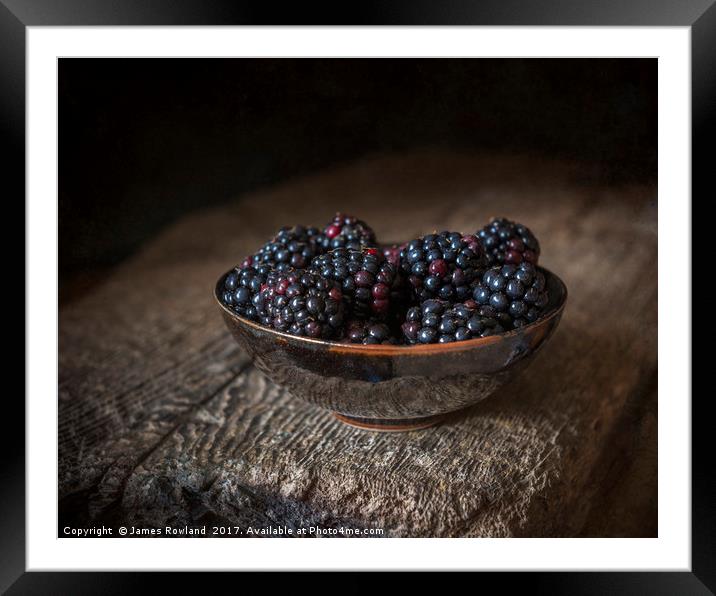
[(394, 388)]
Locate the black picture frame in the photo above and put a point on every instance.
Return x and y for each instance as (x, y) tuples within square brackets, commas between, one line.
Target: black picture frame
[(700, 15)]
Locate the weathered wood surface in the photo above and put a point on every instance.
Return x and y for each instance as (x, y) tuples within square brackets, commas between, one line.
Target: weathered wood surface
[(163, 420)]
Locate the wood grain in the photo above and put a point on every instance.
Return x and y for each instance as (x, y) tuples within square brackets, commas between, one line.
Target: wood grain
[(163, 420)]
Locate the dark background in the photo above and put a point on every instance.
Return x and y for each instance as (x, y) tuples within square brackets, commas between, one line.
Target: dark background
[(143, 141)]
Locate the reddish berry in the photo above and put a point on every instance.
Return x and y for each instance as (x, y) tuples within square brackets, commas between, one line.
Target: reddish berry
[(380, 306), (332, 231), (512, 256), (439, 268), (282, 285), (381, 291)]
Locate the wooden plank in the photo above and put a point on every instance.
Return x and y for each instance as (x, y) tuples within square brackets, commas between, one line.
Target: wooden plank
[(163, 421)]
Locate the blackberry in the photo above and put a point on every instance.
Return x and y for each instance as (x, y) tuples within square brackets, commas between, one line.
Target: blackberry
[(365, 278), (442, 265), (514, 291), (347, 231), (242, 287), (508, 242), (368, 331), (303, 303), (292, 247), (437, 321)]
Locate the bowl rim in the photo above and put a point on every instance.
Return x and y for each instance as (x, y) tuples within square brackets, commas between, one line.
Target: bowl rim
[(381, 349)]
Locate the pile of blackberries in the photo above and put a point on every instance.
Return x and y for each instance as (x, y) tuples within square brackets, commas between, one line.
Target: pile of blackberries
[(339, 283)]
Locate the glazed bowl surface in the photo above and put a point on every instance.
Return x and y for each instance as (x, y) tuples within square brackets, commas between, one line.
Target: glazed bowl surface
[(386, 387)]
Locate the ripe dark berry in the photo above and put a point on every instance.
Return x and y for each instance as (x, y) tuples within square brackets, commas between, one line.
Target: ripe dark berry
[(427, 335), (292, 247), (303, 303), (436, 321), (347, 231), (442, 266), (508, 242), (516, 294), (365, 279)]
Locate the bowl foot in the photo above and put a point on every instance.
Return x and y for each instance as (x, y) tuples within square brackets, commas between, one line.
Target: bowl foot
[(390, 424)]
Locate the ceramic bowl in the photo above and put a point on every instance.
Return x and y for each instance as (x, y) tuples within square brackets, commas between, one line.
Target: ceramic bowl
[(394, 388)]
